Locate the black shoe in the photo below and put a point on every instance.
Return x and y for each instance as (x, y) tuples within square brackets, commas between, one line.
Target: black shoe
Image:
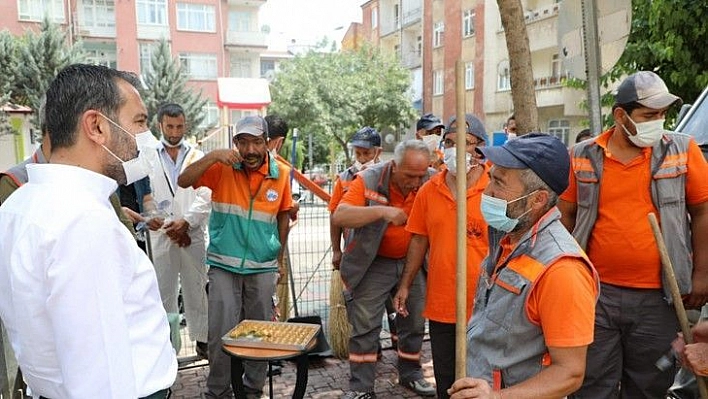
[(202, 350)]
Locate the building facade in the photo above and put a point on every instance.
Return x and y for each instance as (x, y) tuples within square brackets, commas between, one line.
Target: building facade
[(446, 31), (211, 38)]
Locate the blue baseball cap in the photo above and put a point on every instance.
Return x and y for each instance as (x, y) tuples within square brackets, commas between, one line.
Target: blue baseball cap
[(545, 155), (429, 122), (366, 137)]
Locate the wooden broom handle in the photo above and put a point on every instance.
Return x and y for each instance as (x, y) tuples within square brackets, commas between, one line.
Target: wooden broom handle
[(668, 269)]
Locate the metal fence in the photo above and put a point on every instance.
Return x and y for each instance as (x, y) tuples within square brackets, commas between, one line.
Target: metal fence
[(309, 259)]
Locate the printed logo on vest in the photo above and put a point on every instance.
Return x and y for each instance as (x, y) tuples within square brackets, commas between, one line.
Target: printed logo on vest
[(271, 195)]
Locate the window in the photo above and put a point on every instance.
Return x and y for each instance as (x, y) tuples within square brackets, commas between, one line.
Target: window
[(468, 23), (211, 116), (503, 76), (103, 57), (374, 17), (199, 66), (98, 13), (267, 65), (559, 128), (239, 21), (146, 50), (419, 46), (196, 17), (438, 34), (151, 12), (241, 67), (469, 75), (438, 83), (36, 10), (396, 16), (555, 67)]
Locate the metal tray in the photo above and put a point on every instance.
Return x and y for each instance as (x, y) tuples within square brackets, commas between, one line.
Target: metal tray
[(271, 335)]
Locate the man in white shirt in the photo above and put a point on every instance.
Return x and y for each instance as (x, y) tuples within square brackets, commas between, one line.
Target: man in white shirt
[(178, 247), (79, 299)]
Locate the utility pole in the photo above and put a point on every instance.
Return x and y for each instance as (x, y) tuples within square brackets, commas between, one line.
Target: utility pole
[(592, 64)]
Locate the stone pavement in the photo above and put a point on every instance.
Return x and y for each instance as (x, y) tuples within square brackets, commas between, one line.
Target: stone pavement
[(328, 378)]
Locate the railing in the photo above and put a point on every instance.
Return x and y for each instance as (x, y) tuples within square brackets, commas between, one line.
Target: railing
[(252, 39), (412, 16), (541, 13), (552, 81), (215, 139)]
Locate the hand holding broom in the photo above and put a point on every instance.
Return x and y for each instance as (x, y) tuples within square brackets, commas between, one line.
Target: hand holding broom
[(675, 295)]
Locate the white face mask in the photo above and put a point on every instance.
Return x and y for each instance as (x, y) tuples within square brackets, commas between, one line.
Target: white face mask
[(432, 141), (140, 166), (450, 159), (648, 133), (361, 166), (168, 144)]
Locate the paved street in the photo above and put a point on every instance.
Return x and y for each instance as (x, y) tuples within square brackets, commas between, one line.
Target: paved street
[(328, 378)]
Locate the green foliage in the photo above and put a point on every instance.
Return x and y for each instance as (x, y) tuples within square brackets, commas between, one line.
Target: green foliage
[(663, 39), (8, 62), (39, 57), (332, 95), (167, 82), (286, 151)]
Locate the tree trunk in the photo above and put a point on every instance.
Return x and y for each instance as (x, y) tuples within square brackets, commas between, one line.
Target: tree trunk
[(523, 93)]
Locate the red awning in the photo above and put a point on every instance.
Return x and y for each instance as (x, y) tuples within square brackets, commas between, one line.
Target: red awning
[(243, 93)]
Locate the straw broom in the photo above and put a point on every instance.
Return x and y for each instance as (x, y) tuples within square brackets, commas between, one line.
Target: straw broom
[(339, 327)]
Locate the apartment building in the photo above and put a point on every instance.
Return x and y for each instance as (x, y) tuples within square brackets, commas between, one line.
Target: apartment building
[(211, 38), (559, 110), (470, 30)]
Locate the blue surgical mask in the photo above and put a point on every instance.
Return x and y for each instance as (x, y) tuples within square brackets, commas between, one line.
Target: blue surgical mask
[(494, 212)]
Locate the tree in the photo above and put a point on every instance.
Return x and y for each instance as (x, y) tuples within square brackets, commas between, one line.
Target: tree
[(332, 95), (167, 82), (664, 38), (523, 93), (40, 57), (8, 63)]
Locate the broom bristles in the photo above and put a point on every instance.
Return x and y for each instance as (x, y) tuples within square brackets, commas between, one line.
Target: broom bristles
[(339, 327)]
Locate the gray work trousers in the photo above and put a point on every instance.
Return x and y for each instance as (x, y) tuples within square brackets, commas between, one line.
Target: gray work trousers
[(633, 329), (232, 298), (365, 305)]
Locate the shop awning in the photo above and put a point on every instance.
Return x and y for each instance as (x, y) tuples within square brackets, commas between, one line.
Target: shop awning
[(243, 93)]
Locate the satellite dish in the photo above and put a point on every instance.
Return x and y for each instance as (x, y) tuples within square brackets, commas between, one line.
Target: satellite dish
[(613, 26), (390, 138)]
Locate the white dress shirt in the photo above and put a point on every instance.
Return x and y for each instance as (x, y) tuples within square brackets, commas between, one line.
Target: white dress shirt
[(79, 299)]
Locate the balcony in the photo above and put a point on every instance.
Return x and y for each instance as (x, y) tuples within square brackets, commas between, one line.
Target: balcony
[(246, 3), (93, 31), (410, 60), (541, 13), (550, 90), (412, 16), (543, 34), (245, 39)]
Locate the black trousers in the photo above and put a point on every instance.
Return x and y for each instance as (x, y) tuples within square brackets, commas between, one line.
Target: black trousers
[(442, 346)]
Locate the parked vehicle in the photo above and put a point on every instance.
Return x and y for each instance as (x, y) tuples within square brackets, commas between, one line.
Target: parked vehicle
[(318, 176), (693, 120)]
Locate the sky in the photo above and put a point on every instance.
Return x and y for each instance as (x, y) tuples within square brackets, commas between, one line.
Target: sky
[(308, 20)]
